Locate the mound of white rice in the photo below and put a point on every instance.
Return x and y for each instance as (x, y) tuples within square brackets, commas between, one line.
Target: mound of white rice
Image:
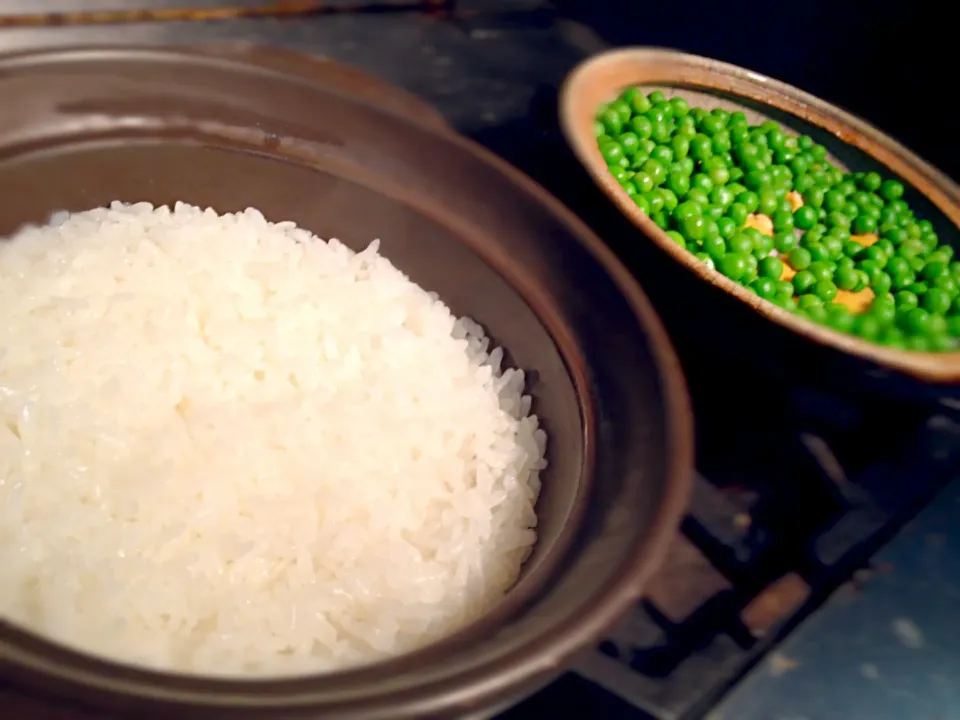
[(227, 446)]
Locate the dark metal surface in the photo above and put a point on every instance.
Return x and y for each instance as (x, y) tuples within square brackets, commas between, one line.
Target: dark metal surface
[(883, 648), (481, 74)]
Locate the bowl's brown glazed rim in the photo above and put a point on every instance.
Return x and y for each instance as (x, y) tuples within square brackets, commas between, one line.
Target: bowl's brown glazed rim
[(538, 657), (600, 77)]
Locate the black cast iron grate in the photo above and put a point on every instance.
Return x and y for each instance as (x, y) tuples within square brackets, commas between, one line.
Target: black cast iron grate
[(795, 490)]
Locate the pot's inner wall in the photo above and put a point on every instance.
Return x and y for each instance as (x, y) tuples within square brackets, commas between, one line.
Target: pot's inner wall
[(81, 177)]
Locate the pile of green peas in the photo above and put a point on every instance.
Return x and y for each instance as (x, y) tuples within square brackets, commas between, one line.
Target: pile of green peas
[(700, 174)]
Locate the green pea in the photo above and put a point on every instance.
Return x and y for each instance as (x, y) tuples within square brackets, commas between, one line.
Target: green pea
[(764, 287), (825, 290), (739, 135), (661, 219), (738, 212), (702, 181), (757, 179), (691, 227), (715, 247), (670, 200), (884, 246), (803, 183), (834, 200), (655, 201), (821, 270), (864, 224), (677, 238), (799, 165), (687, 209), (698, 196), (837, 219), (662, 154), (834, 247), (785, 300), (721, 142), (726, 226), (867, 326), (891, 190), (846, 278), (782, 220), (612, 121), (700, 147), (771, 267), (874, 254), (641, 202), (680, 146), (641, 126), (911, 249), (799, 258), (768, 201), (749, 200), (948, 284), (678, 183), (881, 282), (661, 112), (612, 153), (680, 106), (661, 132), (885, 314), (871, 181), (936, 301), (733, 265), (639, 159), (706, 260), (803, 282), (710, 227), (630, 143), (784, 242), (817, 313), (721, 196), (901, 281), (805, 302), (906, 300), (644, 181), (932, 270), (719, 175), (741, 243), (805, 217), (852, 249), (916, 322), (893, 337), (897, 266), (839, 318), (657, 97)]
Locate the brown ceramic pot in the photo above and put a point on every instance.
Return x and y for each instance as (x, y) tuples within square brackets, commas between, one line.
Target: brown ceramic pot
[(81, 128)]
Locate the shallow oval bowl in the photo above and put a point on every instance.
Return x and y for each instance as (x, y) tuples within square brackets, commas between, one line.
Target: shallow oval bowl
[(851, 143)]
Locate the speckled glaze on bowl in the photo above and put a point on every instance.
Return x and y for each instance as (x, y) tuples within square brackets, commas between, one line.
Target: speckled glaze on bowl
[(852, 143)]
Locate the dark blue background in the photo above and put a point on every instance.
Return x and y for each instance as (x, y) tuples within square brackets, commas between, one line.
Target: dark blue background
[(888, 61)]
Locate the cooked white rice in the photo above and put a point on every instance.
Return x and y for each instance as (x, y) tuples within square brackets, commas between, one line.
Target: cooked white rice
[(227, 446)]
